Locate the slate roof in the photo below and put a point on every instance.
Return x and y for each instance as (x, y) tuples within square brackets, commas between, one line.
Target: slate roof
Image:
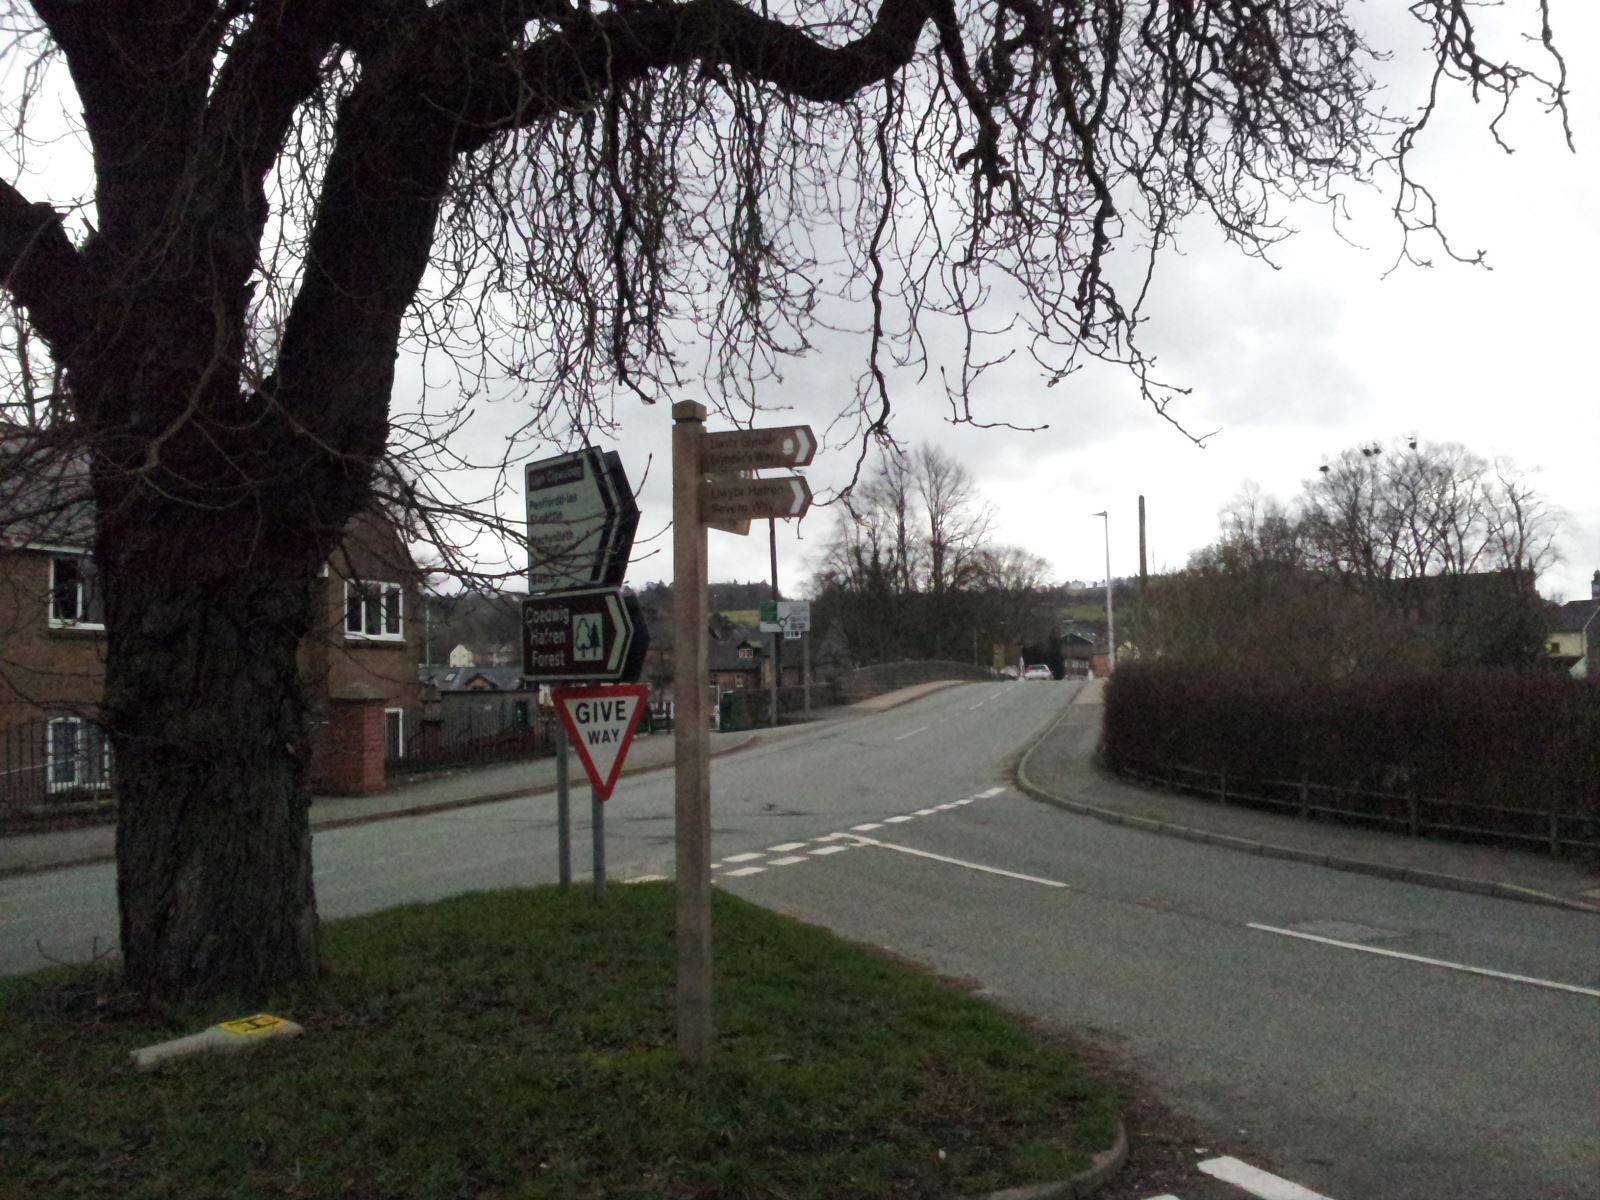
[(459, 679), (44, 495), (1573, 616)]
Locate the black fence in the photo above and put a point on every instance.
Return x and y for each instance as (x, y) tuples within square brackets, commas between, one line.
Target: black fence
[(469, 739), (53, 766), (1417, 815)]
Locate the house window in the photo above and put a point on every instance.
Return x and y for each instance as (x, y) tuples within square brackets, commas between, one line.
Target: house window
[(394, 732), (75, 598), (1553, 648), (747, 652), (78, 756), (372, 610)]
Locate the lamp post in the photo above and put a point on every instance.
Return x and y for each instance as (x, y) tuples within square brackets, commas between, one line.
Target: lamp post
[(1111, 632)]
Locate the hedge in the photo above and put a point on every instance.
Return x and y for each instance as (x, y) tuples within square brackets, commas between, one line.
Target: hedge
[(1473, 736)]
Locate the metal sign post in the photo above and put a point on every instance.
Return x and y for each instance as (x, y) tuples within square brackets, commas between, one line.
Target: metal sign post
[(563, 808)]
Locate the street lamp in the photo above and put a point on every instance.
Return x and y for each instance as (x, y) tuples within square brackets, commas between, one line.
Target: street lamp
[(1111, 633)]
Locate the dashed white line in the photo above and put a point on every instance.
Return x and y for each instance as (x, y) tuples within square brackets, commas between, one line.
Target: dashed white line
[(784, 847), (823, 851), (902, 737), (924, 812), (1531, 980), (896, 820), (743, 857), (1256, 1181), (747, 871), (868, 827), (646, 879), (788, 860)]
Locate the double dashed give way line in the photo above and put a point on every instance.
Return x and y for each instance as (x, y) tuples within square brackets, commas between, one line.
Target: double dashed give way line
[(792, 854)]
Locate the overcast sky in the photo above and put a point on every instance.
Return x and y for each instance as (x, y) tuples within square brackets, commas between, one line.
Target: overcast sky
[(1290, 366)]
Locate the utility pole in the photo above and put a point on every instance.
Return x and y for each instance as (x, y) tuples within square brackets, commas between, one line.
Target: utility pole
[(777, 638), (1144, 576), (1111, 632)]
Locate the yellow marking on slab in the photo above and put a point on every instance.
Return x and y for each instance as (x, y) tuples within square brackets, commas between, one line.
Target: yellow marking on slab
[(253, 1026)]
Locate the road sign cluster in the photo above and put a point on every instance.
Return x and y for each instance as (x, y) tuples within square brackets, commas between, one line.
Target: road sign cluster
[(732, 496), (578, 625)]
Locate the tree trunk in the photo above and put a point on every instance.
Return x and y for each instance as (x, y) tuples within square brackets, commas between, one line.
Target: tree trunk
[(206, 712)]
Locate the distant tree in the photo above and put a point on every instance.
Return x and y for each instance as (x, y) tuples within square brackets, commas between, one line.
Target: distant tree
[(1417, 555)]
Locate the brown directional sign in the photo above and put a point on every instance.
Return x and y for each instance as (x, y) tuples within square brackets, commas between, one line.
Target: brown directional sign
[(753, 449), (596, 635), (726, 500)]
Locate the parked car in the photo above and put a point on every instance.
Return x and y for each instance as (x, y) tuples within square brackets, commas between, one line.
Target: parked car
[(1038, 671)]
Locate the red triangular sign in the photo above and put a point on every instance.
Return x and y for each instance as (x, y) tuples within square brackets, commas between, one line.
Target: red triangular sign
[(600, 723)]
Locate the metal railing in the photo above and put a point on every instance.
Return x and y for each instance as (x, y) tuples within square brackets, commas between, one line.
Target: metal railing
[(54, 765), (1411, 813), (473, 739)]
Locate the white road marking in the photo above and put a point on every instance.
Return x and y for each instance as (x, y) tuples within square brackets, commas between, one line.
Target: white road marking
[(1429, 962), (959, 803), (784, 847), (924, 812), (747, 871), (960, 862), (1256, 1181), (943, 807), (994, 791), (895, 820), (823, 851), (832, 837), (788, 860), (645, 879), (868, 826), (913, 733), (977, 706), (743, 857)]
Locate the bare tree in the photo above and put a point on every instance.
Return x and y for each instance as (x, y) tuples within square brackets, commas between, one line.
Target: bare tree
[(955, 518), (560, 201)]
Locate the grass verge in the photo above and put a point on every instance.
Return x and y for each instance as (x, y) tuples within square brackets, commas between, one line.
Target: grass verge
[(519, 1044)]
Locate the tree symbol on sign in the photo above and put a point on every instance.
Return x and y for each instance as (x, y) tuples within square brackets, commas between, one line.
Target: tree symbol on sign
[(587, 644)]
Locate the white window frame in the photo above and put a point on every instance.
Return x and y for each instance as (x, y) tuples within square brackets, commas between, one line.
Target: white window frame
[(55, 763), (400, 746), (371, 589), (85, 565)]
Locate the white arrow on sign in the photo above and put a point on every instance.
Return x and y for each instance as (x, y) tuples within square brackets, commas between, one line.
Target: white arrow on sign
[(754, 449), (726, 500)]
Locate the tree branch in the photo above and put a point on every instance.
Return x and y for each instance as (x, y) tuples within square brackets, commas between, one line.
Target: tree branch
[(40, 267), (568, 71)]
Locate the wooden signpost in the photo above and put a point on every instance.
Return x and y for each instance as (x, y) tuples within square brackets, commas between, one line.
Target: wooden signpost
[(728, 499)]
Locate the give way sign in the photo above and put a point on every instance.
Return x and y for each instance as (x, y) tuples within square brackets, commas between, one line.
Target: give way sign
[(601, 722)]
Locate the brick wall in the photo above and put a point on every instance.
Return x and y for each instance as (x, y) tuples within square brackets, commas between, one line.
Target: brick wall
[(353, 764), (872, 681), (43, 671)]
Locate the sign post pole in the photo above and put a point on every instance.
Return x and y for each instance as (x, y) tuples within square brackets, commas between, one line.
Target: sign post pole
[(805, 668), (691, 735), (597, 818), (563, 807)]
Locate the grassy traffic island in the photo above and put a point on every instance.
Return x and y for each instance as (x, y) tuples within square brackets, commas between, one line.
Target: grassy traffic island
[(520, 1044)]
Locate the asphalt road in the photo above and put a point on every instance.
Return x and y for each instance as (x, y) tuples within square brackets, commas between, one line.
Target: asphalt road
[(1365, 1076)]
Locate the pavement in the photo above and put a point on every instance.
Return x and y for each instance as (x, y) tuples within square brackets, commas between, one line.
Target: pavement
[(1059, 769)]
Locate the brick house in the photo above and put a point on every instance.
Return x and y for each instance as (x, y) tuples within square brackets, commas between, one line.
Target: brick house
[(358, 664)]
